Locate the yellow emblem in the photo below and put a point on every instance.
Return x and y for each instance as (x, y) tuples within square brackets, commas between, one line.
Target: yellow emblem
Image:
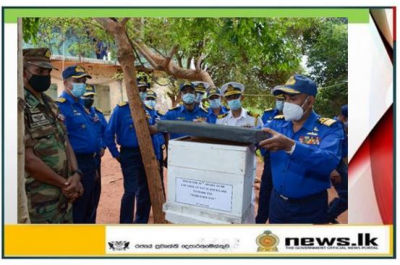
[(267, 242), (48, 54), (291, 81), (230, 88), (200, 85), (79, 69)]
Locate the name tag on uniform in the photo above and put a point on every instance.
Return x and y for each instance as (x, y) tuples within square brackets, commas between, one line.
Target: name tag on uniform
[(310, 140), (39, 120), (77, 113)]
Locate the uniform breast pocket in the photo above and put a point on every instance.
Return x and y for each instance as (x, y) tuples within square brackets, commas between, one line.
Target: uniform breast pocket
[(45, 141), (78, 122), (128, 123)]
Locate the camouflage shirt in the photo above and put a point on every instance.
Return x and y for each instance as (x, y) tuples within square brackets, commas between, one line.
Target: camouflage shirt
[(46, 134)]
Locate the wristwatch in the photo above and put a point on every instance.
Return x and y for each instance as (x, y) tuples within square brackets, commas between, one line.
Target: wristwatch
[(78, 171)]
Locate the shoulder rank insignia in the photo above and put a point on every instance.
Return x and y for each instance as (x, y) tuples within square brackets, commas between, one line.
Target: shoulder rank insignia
[(99, 110), (255, 115), (326, 121), (121, 104), (279, 117), (159, 113), (269, 109), (222, 115), (61, 100), (203, 109)]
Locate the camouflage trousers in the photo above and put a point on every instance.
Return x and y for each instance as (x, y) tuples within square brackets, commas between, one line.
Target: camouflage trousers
[(47, 204)]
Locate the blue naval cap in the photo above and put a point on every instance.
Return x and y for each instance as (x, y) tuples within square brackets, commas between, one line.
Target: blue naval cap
[(186, 84), (75, 71), (295, 85), (90, 90), (213, 92), (142, 83), (344, 110)]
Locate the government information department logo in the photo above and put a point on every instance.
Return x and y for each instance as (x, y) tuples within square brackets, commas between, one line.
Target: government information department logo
[(267, 242), (118, 245)]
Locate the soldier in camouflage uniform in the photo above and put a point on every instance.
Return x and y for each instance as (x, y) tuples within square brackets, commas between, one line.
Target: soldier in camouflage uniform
[(52, 177)]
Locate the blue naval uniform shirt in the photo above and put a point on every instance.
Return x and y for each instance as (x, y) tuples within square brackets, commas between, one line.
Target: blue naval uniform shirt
[(212, 118), (80, 125), (180, 113), (269, 114), (121, 126), (317, 153), (100, 124)]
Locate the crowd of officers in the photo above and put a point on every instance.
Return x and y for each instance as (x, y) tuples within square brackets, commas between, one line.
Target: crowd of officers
[(66, 139)]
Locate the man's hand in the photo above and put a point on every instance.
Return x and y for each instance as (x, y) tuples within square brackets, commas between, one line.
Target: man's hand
[(72, 185), (276, 142)]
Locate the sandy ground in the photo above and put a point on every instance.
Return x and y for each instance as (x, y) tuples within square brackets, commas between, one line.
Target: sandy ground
[(112, 190)]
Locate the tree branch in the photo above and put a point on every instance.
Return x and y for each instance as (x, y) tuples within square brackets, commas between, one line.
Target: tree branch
[(124, 21)]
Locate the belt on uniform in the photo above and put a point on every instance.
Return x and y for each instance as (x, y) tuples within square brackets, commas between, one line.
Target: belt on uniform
[(126, 148), (300, 200), (86, 155)]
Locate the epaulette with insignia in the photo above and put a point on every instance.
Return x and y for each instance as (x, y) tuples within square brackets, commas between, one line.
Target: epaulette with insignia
[(203, 109), (61, 100), (223, 115), (269, 109), (255, 115), (148, 107), (99, 110), (121, 104), (326, 121), (159, 113), (279, 117), (177, 107)]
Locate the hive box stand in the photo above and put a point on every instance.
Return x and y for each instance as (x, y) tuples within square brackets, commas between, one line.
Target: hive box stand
[(209, 181)]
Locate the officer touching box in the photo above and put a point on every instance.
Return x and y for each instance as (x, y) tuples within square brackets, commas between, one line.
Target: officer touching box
[(81, 131), (305, 149)]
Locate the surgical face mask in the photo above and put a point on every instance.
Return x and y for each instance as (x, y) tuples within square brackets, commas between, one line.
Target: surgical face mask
[(279, 105), (235, 104), (78, 89), (293, 112), (151, 103), (215, 103), (88, 102), (40, 83), (199, 97), (188, 98), (142, 95)]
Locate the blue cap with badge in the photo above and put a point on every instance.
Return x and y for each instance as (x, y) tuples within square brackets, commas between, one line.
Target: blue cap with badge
[(90, 90), (75, 71), (186, 84), (295, 85)]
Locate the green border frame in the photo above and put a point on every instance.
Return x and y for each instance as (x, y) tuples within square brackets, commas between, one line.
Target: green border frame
[(354, 15)]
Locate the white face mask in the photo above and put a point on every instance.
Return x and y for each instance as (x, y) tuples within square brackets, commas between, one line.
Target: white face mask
[(293, 112)]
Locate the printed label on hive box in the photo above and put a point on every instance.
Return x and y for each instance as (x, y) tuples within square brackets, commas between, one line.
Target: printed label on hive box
[(204, 194)]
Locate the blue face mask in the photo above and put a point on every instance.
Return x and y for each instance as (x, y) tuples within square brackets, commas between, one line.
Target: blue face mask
[(235, 104), (151, 103), (279, 105), (142, 95), (215, 103), (188, 98), (78, 89)]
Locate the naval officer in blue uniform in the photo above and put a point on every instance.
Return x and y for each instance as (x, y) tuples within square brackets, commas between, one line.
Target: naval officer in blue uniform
[(189, 111), (305, 149), (100, 124), (216, 108), (82, 134), (121, 130)]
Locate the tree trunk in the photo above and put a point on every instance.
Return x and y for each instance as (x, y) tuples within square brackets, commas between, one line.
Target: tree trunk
[(23, 214), (126, 58)]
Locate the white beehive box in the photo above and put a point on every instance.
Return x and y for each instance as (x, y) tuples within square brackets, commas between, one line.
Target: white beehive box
[(209, 181)]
